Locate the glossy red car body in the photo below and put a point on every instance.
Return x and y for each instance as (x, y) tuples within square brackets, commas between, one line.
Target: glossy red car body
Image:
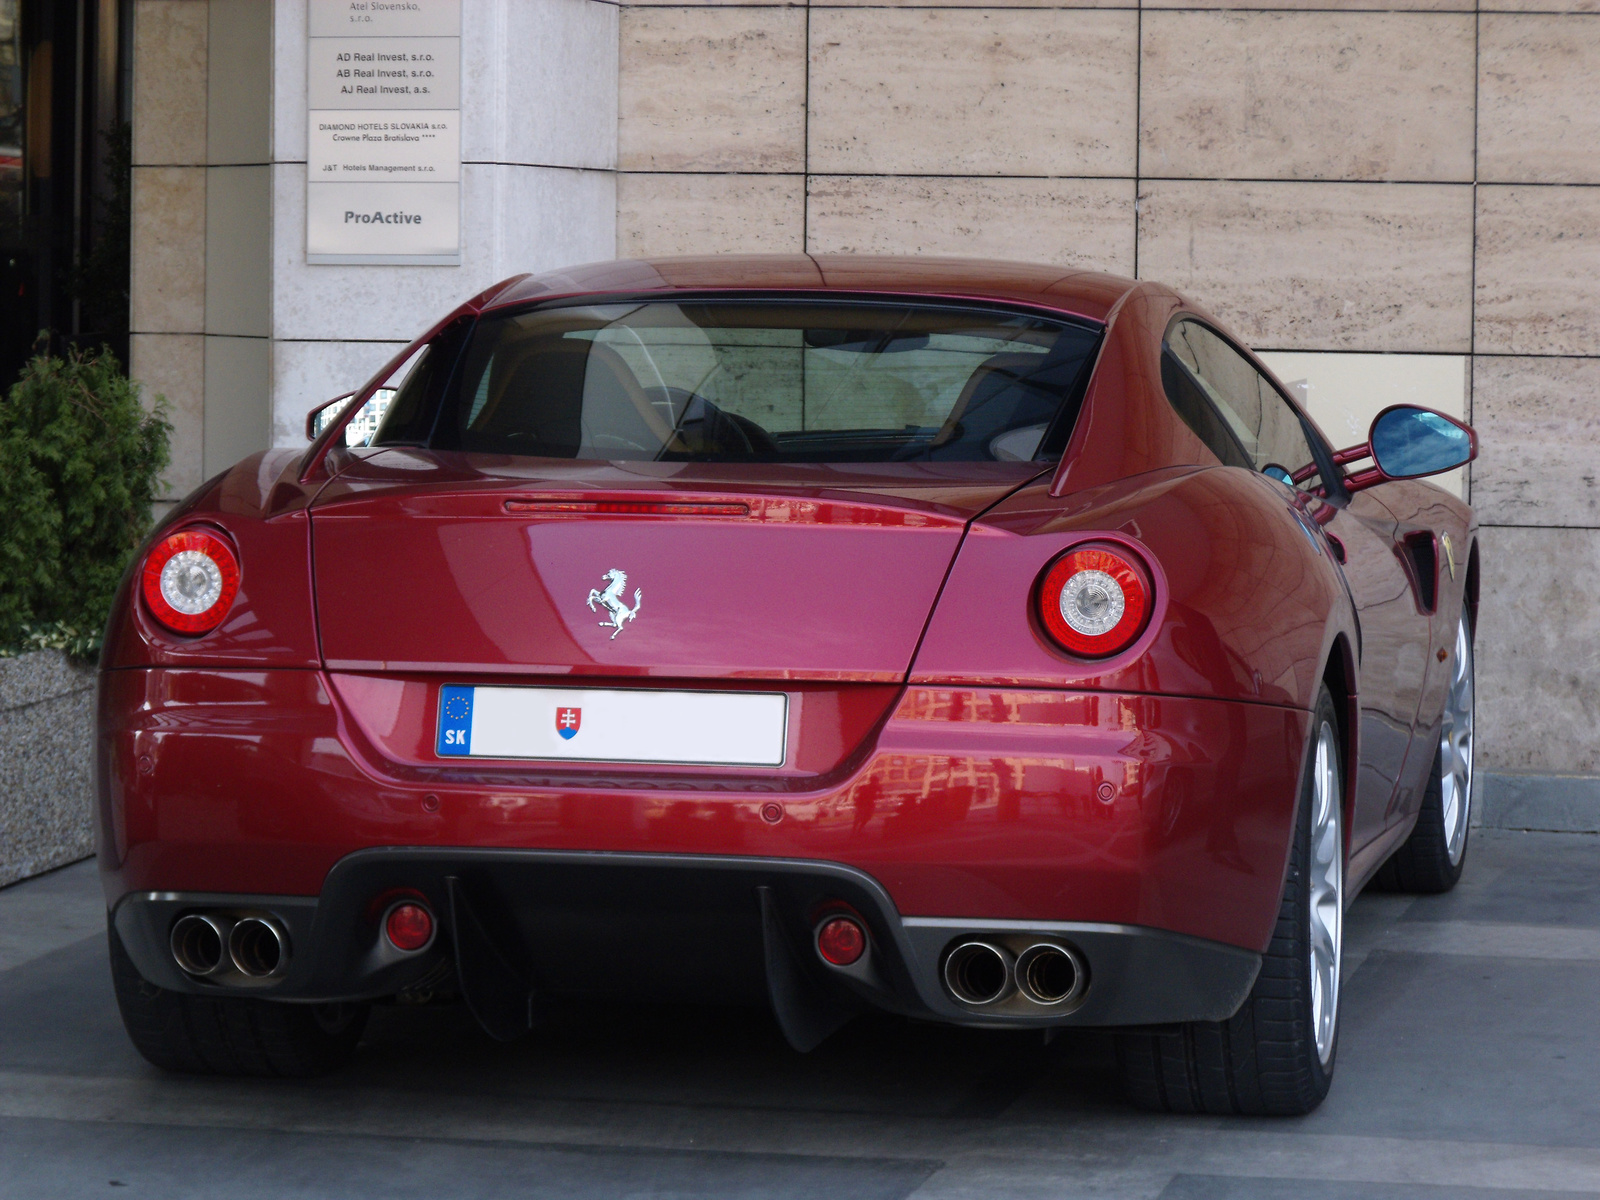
[(948, 766)]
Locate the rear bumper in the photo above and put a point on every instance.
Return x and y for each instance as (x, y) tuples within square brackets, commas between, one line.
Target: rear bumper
[(1168, 814), (652, 928)]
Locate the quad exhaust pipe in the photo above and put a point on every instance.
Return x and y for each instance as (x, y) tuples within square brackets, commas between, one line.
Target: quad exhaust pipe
[(259, 947), (1049, 974), (983, 973), (978, 972), (217, 945), (200, 944)]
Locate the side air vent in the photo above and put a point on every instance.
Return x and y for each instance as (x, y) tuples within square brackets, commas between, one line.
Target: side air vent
[(1422, 557)]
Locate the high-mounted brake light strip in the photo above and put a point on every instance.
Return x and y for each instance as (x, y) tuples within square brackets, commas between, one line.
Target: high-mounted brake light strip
[(646, 508)]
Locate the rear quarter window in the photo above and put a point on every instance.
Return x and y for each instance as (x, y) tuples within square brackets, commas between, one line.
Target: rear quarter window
[(1234, 409)]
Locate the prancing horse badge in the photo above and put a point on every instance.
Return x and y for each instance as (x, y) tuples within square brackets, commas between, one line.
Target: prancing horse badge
[(612, 599)]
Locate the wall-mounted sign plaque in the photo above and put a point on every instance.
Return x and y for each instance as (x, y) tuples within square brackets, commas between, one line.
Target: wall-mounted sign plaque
[(383, 145)]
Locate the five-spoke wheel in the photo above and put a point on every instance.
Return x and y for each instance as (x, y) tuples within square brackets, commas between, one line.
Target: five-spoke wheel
[(1430, 860)]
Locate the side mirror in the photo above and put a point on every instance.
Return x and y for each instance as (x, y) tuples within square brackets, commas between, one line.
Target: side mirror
[(1407, 442), (361, 428), (320, 417)]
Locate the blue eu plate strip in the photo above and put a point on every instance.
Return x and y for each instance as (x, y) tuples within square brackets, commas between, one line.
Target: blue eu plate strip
[(455, 719)]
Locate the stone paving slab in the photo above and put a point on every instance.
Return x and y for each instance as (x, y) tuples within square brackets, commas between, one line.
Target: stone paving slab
[(1462, 1073), (49, 912), (1551, 803), (270, 1165)]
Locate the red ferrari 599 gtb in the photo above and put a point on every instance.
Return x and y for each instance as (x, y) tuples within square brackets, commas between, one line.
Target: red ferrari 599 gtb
[(983, 643)]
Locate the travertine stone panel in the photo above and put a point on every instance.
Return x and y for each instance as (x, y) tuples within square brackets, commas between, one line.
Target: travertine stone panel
[(1538, 6), (1538, 423), (173, 365), (1350, 5), (710, 214), (169, 82), (289, 26), (238, 400), (1318, 266), (578, 81), (239, 108), (1538, 270), (987, 4), (974, 92), (1538, 106), (1538, 647), (1314, 95), (712, 89), (1084, 223), (238, 250), (168, 280)]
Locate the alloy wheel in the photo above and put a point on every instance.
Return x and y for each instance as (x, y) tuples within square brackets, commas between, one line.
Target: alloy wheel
[(1455, 747), (1326, 891)]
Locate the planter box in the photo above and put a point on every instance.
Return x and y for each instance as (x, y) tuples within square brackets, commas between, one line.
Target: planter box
[(46, 763)]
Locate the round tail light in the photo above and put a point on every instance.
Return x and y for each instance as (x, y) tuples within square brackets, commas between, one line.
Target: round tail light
[(841, 940), (190, 580), (1095, 600), (408, 925)]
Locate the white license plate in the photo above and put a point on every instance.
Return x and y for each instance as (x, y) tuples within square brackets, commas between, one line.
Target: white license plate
[(735, 729)]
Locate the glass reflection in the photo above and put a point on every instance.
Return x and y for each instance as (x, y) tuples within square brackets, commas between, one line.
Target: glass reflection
[(1411, 442), (11, 116)]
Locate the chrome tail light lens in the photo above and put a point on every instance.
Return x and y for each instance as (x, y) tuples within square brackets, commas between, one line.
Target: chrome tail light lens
[(189, 581)]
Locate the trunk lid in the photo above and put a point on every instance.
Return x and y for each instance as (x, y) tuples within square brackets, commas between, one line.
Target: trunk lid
[(436, 561)]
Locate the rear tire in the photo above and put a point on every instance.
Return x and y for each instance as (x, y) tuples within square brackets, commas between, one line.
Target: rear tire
[(1432, 858), (1275, 1056), (231, 1035)]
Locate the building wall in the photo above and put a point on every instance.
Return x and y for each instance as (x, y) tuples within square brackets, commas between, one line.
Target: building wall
[(1394, 198), (229, 321)]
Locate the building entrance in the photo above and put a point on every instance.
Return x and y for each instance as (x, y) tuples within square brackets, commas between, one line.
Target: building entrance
[(63, 176)]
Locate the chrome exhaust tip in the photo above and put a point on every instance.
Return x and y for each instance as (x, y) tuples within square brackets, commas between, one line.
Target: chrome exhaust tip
[(978, 973), (259, 947), (199, 944), (1051, 975)]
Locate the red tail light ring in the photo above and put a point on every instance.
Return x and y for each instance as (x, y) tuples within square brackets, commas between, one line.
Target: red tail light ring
[(841, 940), (409, 926), (1095, 600), (190, 580)]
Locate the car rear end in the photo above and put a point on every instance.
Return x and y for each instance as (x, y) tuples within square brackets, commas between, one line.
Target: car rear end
[(720, 648)]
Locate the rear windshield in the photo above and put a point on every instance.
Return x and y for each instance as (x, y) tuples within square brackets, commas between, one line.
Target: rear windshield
[(731, 381)]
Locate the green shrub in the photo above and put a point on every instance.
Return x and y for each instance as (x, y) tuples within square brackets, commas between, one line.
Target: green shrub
[(80, 459)]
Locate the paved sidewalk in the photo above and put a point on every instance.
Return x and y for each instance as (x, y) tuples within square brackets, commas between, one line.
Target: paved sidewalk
[(1469, 1068)]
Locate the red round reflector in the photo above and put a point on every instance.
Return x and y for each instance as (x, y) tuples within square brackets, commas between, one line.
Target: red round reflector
[(409, 926), (1094, 600), (841, 940), (190, 580)]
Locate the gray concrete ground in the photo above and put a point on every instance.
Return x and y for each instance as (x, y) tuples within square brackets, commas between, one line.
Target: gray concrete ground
[(1469, 1065)]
